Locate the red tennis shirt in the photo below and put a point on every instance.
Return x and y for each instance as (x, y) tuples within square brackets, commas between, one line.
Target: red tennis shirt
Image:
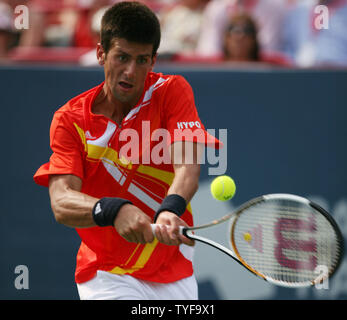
[(127, 161)]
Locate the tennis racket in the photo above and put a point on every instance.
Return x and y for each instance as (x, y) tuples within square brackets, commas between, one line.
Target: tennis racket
[(282, 238)]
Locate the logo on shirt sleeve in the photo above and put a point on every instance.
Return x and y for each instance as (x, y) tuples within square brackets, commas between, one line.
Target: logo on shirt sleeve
[(188, 124)]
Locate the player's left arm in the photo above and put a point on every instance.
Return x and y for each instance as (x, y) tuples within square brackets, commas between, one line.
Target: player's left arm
[(185, 158)]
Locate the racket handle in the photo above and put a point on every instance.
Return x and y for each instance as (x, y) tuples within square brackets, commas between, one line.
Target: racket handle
[(154, 226)]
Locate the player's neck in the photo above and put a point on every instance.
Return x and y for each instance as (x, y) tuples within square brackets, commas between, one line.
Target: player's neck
[(107, 105)]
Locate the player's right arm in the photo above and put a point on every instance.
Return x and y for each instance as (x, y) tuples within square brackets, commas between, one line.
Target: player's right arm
[(74, 209), (70, 206)]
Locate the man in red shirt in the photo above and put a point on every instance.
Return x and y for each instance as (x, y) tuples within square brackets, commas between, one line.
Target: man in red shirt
[(112, 188)]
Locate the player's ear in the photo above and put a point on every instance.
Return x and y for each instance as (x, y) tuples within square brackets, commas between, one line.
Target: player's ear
[(100, 54)]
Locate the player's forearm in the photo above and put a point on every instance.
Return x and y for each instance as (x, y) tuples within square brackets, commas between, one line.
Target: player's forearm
[(70, 206), (74, 209), (185, 158), (185, 184), (186, 181)]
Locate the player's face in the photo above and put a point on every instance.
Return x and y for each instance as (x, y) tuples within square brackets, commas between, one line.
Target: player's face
[(126, 66)]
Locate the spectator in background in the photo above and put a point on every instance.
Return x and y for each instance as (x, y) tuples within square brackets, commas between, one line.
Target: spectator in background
[(241, 43), (310, 46), (240, 40), (181, 26), (61, 23), (51, 23), (215, 16), (268, 15), (71, 24)]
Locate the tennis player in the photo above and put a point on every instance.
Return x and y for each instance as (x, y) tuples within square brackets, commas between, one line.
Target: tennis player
[(109, 197)]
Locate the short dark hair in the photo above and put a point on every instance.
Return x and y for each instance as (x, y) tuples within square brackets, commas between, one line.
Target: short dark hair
[(132, 21)]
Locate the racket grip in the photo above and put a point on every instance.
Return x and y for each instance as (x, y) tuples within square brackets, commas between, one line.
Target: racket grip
[(154, 226)]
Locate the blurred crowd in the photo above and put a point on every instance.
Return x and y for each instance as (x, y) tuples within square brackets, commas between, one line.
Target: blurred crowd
[(299, 33)]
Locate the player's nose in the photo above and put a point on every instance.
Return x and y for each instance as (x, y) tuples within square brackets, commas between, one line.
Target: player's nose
[(130, 70)]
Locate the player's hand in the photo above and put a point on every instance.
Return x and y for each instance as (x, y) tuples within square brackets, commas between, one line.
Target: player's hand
[(167, 231), (133, 224)]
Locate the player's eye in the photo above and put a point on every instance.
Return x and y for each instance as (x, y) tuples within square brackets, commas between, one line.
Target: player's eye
[(122, 58), (142, 60)]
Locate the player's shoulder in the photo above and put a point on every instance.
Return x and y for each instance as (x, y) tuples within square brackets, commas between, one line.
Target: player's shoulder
[(73, 109)]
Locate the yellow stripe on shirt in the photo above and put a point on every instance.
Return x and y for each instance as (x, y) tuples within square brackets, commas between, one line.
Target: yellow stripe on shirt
[(82, 135), (141, 261)]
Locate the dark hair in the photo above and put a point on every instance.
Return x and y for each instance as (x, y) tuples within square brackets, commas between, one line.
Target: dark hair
[(132, 21)]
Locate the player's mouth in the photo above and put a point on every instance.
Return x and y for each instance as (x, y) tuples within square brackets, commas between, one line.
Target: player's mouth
[(125, 85)]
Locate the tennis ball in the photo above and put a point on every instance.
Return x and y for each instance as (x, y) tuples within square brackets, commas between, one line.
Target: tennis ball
[(247, 236), (223, 188)]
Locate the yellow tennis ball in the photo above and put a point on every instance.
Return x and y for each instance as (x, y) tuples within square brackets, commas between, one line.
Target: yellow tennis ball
[(223, 188), (247, 236)]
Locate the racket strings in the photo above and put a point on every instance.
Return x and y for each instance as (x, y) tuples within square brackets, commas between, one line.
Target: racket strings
[(285, 242)]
